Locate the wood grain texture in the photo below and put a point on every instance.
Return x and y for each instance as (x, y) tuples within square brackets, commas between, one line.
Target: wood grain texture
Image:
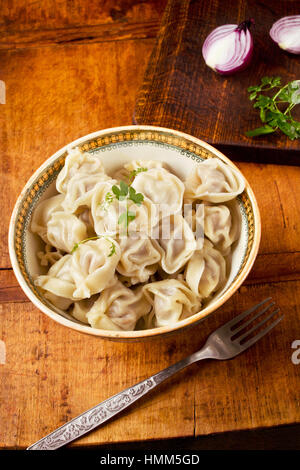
[(55, 94), (179, 91), (21, 15), (43, 23), (52, 374)]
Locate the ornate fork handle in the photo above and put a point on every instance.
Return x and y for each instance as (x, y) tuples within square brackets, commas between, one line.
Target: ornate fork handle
[(105, 410)]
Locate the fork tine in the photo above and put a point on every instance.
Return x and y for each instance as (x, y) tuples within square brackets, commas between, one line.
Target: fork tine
[(243, 325), (242, 315), (260, 335), (247, 333)]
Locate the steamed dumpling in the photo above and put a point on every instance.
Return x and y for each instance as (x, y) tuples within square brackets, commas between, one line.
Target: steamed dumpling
[(76, 163), (162, 188), (82, 307), (118, 308), (42, 214), (220, 227), (215, 181), (175, 242), (172, 300), (59, 280), (194, 216), (89, 270), (59, 302), (93, 266), (85, 215), (64, 230), (139, 257), (206, 270), (106, 213), (80, 190), (137, 166)]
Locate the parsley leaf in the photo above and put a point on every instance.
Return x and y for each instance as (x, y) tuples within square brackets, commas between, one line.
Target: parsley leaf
[(135, 197), (275, 111), (120, 192)]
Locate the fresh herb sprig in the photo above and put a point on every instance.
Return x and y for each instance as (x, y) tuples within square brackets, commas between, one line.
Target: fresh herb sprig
[(275, 111), (133, 173), (125, 192), (129, 193), (112, 246)]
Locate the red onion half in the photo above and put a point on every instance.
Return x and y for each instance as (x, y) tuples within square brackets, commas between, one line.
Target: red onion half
[(228, 48), (286, 33)]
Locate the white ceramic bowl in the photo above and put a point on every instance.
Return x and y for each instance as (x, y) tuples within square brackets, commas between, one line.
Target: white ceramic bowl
[(117, 146)]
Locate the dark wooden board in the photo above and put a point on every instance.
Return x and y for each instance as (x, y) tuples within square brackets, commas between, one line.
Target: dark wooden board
[(179, 91)]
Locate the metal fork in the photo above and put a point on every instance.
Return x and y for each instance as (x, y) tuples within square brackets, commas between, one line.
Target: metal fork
[(224, 343)]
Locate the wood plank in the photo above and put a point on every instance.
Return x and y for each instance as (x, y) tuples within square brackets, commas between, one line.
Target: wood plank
[(180, 91), (52, 374), (21, 15), (277, 190), (79, 35)]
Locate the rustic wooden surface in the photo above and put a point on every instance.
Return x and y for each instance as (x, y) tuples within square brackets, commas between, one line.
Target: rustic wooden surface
[(179, 91), (57, 92)]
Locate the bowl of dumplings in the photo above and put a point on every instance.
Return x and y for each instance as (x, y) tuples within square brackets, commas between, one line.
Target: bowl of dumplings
[(133, 232)]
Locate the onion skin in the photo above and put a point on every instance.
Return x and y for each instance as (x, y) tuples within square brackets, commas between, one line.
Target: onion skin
[(228, 49), (286, 33)]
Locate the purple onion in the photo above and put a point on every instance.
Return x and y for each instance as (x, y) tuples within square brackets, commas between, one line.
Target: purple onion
[(228, 48), (286, 33)]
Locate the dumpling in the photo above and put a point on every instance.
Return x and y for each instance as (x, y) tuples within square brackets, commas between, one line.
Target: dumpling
[(194, 215), (93, 266), (42, 214), (106, 213), (172, 300), (206, 270), (139, 257), (59, 302), (65, 230), (118, 308), (89, 270), (128, 172), (85, 215), (220, 227), (215, 181), (80, 190), (59, 280), (78, 162), (175, 241), (162, 188), (82, 307)]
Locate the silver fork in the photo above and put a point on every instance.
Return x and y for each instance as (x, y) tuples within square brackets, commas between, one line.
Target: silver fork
[(224, 343)]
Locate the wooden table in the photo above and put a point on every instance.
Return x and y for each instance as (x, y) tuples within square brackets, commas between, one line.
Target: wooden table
[(71, 70)]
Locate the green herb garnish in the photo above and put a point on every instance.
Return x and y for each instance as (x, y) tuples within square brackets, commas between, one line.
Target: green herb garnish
[(120, 192), (129, 193), (133, 173), (109, 197), (275, 111), (137, 198), (112, 247), (112, 250), (126, 217)]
